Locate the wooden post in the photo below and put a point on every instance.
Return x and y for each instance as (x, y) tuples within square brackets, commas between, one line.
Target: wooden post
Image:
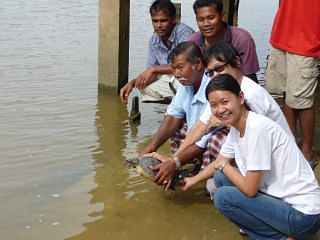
[(113, 43), (231, 12), (230, 6), (178, 11)]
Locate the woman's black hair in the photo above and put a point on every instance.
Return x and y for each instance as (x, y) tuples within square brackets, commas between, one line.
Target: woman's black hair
[(163, 5), (223, 52), (223, 82), (191, 51)]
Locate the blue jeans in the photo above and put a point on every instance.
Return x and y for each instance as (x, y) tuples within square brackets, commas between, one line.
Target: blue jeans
[(262, 216)]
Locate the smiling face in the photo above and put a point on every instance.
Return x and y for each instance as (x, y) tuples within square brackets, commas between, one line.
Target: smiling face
[(210, 21), (162, 23), (226, 106)]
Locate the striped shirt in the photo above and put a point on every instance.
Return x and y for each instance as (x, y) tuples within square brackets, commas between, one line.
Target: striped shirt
[(158, 52)]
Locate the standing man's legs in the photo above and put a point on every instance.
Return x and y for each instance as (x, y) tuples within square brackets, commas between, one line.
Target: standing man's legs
[(301, 85), (292, 118), (296, 76), (307, 124)]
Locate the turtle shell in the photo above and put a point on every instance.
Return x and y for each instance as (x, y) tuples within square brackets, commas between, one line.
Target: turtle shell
[(143, 167)]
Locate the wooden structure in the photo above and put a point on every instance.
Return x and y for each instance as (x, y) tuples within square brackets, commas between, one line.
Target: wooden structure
[(114, 26)]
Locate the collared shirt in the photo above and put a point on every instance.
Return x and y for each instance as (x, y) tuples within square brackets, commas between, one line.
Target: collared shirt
[(199, 39), (186, 104), (242, 41), (158, 52)]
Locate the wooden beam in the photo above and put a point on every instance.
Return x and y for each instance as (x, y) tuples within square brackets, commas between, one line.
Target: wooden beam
[(113, 43)]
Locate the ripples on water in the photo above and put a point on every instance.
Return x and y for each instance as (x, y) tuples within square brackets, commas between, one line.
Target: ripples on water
[(63, 145), (48, 69)]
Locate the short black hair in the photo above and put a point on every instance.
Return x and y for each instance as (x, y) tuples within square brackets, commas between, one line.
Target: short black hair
[(189, 49), (223, 82), (163, 5), (223, 52), (206, 3)]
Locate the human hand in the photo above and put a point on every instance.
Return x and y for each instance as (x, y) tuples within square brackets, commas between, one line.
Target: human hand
[(145, 78), (146, 151), (187, 183), (213, 122), (157, 156), (166, 172), (125, 91)]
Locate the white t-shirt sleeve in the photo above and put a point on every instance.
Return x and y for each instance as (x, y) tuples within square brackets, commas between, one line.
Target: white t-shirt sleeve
[(205, 116), (227, 149), (255, 96), (260, 106), (258, 150)]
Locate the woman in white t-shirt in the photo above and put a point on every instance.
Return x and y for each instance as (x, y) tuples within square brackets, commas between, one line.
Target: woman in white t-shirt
[(273, 194), (222, 58)]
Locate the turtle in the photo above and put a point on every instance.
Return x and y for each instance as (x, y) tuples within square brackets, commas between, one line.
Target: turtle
[(142, 165), (143, 168)]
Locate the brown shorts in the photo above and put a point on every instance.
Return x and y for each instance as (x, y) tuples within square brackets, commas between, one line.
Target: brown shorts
[(293, 74)]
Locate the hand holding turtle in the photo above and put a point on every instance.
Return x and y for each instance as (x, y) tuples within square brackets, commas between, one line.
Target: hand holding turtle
[(148, 151), (166, 173), (187, 183), (157, 156)]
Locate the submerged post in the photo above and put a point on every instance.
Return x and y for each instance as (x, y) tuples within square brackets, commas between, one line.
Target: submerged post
[(113, 43)]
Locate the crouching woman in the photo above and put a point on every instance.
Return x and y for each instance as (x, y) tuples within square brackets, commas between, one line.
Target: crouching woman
[(273, 193)]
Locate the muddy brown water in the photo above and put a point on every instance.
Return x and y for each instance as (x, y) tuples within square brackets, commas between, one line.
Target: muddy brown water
[(64, 145)]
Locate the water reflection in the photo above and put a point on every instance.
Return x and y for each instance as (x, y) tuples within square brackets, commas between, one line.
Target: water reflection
[(134, 208)]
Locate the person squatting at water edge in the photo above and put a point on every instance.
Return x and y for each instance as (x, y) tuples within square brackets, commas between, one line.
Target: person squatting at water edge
[(184, 110), (223, 58), (210, 20), (292, 68), (154, 82), (273, 194)]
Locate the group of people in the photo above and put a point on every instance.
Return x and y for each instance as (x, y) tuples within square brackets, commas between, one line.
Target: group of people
[(220, 119)]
